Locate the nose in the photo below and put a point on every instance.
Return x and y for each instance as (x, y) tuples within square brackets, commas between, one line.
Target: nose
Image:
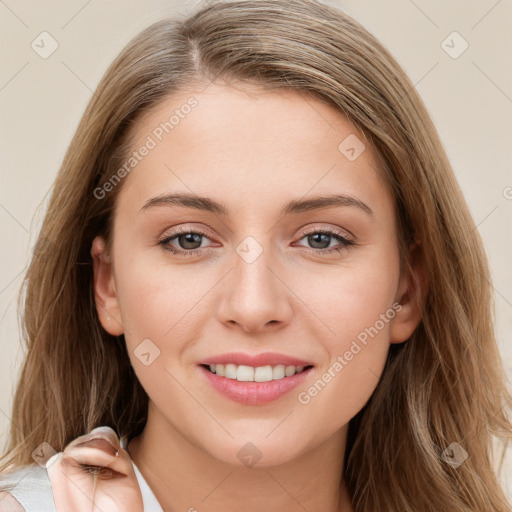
[(254, 297)]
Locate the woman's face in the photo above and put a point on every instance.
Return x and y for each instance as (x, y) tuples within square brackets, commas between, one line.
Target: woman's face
[(292, 254)]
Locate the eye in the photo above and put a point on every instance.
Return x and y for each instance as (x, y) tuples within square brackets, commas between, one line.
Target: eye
[(190, 241), (321, 240)]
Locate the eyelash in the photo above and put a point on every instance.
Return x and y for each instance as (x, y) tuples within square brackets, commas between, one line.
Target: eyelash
[(344, 242)]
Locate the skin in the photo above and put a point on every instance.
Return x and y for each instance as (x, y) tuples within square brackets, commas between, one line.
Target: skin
[(252, 150)]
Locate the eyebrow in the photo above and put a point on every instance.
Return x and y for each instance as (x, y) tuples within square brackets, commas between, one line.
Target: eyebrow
[(294, 206)]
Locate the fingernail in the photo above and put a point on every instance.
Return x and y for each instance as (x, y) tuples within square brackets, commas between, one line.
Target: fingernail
[(103, 430), (106, 433)]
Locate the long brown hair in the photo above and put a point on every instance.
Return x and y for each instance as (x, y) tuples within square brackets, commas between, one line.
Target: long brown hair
[(444, 385)]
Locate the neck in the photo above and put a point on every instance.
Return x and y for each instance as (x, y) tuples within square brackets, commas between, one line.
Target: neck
[(184, 477)]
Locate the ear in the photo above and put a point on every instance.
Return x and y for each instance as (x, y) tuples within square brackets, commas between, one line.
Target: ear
[(105, 296), (411, 294)]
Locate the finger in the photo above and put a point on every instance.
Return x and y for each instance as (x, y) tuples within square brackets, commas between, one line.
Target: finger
[(79, 474), (75, 488), (72, 488), (107, 444), (101, 454)]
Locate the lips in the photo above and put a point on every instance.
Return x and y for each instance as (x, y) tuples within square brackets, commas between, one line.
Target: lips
[(254, 392), (255, 360)]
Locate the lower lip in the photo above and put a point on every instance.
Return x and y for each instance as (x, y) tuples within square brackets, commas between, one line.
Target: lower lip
[(254, 393)]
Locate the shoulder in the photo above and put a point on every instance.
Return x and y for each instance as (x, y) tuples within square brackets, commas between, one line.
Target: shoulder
[(27, 487)]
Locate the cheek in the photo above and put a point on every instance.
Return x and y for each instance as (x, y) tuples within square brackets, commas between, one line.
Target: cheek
[(354, 305), (154, 296), (352, 297), (358, 310), (164, 309), (158, 314), (361, 301)]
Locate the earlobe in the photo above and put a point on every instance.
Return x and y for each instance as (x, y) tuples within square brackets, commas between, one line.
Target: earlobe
[(107, 304), (411, 294)]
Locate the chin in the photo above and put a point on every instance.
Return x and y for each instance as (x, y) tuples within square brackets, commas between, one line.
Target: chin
[(254, 454)]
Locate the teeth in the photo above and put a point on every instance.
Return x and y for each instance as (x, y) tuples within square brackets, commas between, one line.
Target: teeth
[(278, 372), (263, 374), (244, 373), (289, 371), (230, 371)]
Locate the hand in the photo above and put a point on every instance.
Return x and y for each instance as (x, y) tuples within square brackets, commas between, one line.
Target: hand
[(91, 477)]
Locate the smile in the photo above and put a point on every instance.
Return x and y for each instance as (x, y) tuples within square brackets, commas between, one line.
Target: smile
[(251, 391), (244, 373)]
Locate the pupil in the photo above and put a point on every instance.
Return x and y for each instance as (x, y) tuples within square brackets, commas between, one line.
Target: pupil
[(313, 239)]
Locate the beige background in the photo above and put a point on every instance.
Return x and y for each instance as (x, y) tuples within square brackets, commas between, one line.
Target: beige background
[(41, 101)]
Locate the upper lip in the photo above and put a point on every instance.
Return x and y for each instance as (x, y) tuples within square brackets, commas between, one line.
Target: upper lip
[(255, 360)]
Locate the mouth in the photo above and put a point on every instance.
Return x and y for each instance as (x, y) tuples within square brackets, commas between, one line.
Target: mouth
[(254, 385)]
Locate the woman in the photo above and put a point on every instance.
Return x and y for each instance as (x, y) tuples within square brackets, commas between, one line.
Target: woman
[(324, 343)]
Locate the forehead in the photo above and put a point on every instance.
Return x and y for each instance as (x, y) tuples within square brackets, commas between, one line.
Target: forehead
[(241, 141)]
